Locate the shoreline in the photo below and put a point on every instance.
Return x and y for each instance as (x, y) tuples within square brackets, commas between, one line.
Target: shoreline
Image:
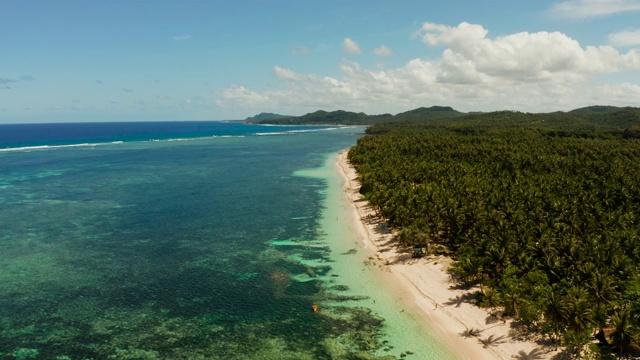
[(430, 294)]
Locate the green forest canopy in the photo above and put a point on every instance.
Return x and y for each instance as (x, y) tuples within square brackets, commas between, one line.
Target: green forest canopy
[(541, 210), (588, 118)]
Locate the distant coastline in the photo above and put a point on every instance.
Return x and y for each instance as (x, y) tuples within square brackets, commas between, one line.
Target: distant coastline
[(446, 115)]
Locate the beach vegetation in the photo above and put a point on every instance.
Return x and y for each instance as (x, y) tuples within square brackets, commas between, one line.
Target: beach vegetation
[(541, 211)]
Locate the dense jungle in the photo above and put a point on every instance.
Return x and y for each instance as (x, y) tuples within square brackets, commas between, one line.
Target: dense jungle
[(541, 212)]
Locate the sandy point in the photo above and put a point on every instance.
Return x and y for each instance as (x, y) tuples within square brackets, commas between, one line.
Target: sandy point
[(431, 294)]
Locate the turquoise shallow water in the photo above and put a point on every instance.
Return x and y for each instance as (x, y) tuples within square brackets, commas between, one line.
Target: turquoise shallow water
[(210, 247), (355, 272)]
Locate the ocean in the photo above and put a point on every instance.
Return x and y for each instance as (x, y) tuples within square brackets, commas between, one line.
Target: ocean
[(186, 240)]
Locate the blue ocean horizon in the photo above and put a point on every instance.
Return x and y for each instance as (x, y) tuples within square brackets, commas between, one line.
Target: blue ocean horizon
[(14, 137)]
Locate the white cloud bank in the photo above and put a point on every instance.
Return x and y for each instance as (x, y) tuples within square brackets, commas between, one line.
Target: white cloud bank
[(580, 9), (472, 57), (351, 47), (543, 71)]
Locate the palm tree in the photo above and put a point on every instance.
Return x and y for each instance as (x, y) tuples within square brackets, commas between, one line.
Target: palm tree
[(469, 267), (578, 315), (554, 311), (491, 299), (603, 290), (623, 334), (513, 300)]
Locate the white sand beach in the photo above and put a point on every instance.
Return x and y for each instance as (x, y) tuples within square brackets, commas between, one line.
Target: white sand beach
[(430, 293)]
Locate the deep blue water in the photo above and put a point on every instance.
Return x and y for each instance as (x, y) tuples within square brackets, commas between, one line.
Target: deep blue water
[(158, 243), (37, 135)]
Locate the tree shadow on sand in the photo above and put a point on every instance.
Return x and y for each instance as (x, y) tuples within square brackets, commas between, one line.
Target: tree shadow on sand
[(563, 355), (493, 318), (382, 228), (492, 341), (459, 299), (535, 354), (471, 332), (457, 285)]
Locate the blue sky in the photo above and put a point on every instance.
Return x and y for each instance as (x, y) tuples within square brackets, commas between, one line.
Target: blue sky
[(117, 60)]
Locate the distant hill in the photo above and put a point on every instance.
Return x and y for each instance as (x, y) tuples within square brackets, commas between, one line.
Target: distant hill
[(598, 118), (341, 117), (320, 117), (595, 109), (428, 113), (266, 116), (583, 123)]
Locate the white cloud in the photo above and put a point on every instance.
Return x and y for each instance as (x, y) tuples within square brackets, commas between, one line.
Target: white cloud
[(540, 71), (383, 50), (181, 37), (350, 46), (625, 38), (471, 56), (286, 74), (580, 9), (300, 50), (237, 94), (620, 93)]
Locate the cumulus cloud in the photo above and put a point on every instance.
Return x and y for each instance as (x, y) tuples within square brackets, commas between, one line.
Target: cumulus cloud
[(523, 71), (472, 57), (350, 46), (383, 50), (580, 9), (625, 38)]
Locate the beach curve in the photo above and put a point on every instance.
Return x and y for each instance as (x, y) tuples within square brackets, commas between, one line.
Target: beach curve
[(471, 332)]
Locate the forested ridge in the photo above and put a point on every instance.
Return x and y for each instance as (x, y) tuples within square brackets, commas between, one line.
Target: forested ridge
[(542, 211), (587, 118), (341, 117)]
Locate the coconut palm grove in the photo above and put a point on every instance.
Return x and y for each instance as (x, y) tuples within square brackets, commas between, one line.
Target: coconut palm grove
[(540, 211)]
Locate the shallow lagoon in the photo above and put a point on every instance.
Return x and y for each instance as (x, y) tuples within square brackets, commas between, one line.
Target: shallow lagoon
[(204, 248)]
